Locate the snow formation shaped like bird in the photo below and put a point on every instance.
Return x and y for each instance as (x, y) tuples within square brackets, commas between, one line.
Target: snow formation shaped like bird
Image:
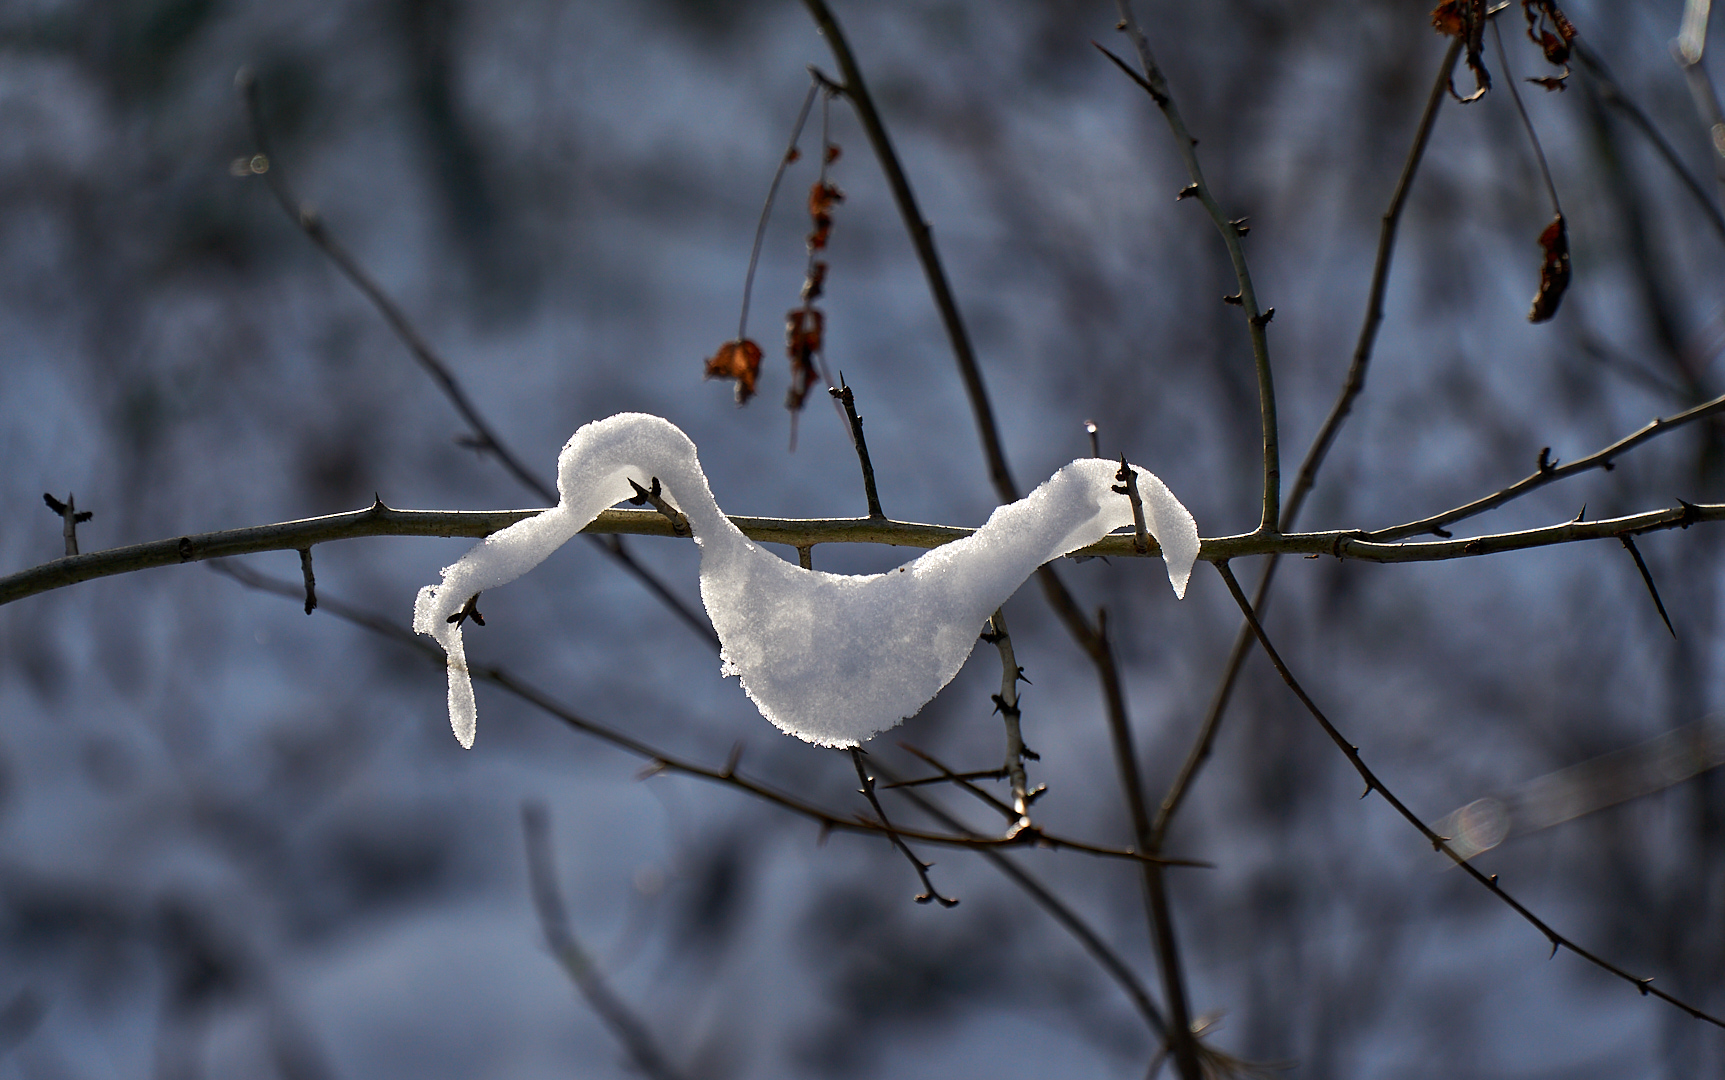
[(833, 659)]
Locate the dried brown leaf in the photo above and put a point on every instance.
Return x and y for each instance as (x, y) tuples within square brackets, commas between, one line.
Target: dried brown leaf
[(739, 360), (1553, 273), (1556, 41), (1465, 20)]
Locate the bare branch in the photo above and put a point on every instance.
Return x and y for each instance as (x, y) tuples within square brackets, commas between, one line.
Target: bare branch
[(1547, 472), (1231, 230), (1439, 843)]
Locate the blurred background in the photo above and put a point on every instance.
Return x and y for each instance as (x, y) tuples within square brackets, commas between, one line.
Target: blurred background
[(237, 841)]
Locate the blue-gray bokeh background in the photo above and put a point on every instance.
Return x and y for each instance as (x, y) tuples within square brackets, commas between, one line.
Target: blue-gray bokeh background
[(235, 841)]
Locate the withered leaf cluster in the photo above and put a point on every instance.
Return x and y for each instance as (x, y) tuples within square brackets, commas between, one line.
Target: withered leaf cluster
[(805, 325), (1547, 27)]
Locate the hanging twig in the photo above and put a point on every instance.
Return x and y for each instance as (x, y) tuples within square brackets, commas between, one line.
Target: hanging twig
[(1439, 843)]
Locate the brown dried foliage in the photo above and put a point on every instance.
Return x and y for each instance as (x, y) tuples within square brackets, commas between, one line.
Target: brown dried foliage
[(1553, 273), (739, 360)]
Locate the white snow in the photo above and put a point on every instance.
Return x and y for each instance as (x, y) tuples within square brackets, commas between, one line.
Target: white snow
[(830, 658)]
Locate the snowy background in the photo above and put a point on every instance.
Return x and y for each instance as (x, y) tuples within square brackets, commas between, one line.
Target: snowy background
[(237, 841)]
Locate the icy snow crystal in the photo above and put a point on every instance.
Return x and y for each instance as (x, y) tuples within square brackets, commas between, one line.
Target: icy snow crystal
[(830, 658)]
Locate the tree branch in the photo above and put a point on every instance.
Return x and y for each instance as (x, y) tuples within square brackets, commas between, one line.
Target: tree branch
[(1439, 843), (1156, 85)]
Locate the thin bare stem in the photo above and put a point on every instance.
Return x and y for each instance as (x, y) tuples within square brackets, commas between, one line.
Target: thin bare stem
[(805, 533), (1526, 121), (560, 938), (1231, 230), (790, 155), (1089, 939), (1352, 387), (867, 791), (660, 761), (1006, 704), (1548, 471), (1439, 843), (483, 437)]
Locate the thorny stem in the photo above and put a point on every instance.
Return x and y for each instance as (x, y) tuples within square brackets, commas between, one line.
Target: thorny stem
[(1547, 472), (1156, 84), (560, 938), (1352, 387), (1006, 703), (806, 532), (1439, 843), (867, 791), (483, 438), (662, 762), (1092, 942)]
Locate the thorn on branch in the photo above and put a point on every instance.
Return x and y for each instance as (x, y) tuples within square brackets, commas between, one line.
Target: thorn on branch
[(1235, 300), (1240, 227), (1190, 191), (655, 495), (1263, 318), (1140, 534), (469, 610), (1440, 531), (311, 581), (1160, 98), (1546, 462), (1691, 514), (70, 519), (1647, 578)]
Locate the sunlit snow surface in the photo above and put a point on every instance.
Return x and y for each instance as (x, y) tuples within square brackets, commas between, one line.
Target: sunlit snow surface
[(830, 658)]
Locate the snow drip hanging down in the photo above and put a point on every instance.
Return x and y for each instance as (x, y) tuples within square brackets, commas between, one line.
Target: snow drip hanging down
[(830, 658)]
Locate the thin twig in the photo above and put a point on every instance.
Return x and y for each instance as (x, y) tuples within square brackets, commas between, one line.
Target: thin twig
[(1091, 941), (1526, 121), (848, 399), (1231, 230), (661, 761), (560, 938), (1439, 843), (790, 155), (483, 437), (1549, 471), (305, 570), (867, 791), (964, 781), (1352, 386)]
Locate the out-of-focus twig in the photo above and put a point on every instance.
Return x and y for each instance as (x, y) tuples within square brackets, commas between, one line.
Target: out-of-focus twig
[(643, 1049)]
